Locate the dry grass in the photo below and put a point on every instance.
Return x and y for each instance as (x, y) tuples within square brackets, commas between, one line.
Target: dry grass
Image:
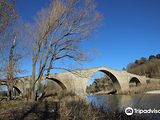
[(57, 95), (52, 92), (66, 94), (80, 110), (13, 103), (140, 89), (7, 105), (49, 95), (69, 107), (64, 110), (77, 110)]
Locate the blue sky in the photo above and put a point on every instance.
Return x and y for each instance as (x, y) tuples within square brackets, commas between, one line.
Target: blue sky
[(131, 30)]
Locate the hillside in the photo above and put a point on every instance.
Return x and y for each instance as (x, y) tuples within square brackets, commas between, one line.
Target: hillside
[(149, 67)]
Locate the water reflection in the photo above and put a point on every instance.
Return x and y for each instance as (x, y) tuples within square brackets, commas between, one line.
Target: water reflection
[(120, 102)]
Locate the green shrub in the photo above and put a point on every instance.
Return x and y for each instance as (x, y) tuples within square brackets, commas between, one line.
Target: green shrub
[(4, 98), (18, 98)]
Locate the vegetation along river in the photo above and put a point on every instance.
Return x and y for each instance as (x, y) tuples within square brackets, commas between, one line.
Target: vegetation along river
[(146, 105)]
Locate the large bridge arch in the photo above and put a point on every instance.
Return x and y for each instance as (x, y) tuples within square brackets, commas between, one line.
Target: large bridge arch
[(113, 77)]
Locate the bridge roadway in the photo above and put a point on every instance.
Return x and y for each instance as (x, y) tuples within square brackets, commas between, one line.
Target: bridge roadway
[(77, 80)]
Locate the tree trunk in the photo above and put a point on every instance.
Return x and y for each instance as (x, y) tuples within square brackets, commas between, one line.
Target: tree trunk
[(33, 92), (8, 96), (11, 90), (11, 67)]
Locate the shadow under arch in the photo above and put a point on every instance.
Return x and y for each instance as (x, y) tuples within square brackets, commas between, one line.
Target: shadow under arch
[(58, 82), (134, 82), (17, 89), (115, 81)]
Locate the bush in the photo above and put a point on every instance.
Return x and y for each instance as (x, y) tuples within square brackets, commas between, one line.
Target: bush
[(4, 98), (18, 98)]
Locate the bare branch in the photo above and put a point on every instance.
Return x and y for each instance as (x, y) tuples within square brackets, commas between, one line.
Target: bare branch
[(58, 31)]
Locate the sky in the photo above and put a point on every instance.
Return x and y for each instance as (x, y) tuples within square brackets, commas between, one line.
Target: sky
[(131, 30)]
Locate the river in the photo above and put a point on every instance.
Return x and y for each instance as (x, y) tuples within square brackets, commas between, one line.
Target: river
[(147, 103)]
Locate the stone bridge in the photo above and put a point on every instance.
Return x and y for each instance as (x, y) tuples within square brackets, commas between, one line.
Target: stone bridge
[(77, 80)]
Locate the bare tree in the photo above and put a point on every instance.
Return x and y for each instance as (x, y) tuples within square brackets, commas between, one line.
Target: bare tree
[(13, 45), (8, 14), (13, 51), (57, 33)]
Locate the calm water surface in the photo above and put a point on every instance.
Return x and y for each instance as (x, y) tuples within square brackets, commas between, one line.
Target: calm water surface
[(120, 102)]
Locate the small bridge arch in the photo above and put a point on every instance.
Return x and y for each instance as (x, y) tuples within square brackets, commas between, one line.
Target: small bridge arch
[(134, 81), (15, 85)]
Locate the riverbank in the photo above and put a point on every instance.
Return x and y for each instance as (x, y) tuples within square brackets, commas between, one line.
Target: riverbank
[(153, 92), (104, 92), (133, 90), (140, 89), (64, 107)]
